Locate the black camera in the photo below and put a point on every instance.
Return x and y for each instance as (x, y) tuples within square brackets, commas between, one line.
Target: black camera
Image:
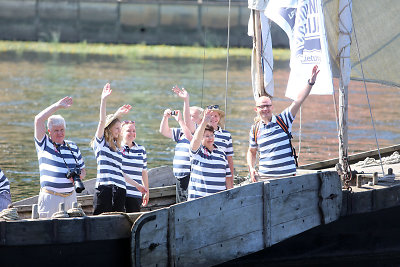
[(74, 174), (174, 113)]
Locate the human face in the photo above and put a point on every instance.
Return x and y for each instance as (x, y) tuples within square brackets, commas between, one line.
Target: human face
[(215, 118), (195, 116), (116, 130), (264, 108), (57, 133), (208, 140), (128, 133)]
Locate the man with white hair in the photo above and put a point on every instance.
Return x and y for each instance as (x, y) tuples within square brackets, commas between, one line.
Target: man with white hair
[(59, 160)]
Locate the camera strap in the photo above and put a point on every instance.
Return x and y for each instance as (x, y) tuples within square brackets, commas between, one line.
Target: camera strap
[(57, 147)]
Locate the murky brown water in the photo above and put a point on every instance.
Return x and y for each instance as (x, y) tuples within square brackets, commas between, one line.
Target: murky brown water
[(30, 82)]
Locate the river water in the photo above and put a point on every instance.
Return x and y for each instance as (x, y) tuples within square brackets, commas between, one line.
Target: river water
[(29, 82)]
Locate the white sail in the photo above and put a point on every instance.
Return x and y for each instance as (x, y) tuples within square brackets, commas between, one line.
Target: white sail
[(303, 22)]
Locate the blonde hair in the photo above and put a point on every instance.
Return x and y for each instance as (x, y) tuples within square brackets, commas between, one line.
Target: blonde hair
[(108, 137)]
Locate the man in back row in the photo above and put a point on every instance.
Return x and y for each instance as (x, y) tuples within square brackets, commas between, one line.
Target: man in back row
[(267, 136)]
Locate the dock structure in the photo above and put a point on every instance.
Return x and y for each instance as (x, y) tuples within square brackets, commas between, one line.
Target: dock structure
[(183, 22)]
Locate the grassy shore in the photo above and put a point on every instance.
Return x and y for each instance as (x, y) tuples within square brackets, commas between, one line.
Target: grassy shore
[(134, 51)]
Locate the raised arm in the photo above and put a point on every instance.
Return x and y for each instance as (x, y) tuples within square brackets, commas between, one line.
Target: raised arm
[(182, 124), (164, 127), (296, 104), (102, 122), (182, 93), (198, 134), (40, 119)]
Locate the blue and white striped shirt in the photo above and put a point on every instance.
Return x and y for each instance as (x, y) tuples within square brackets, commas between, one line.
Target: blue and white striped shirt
[(209, 172), (181, 163), (134, 161), (53, 171), (4, 184), (276, 157), (223, 139), (109, 165)]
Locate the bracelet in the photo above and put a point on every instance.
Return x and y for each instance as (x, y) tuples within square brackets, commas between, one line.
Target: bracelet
[(310, 83)]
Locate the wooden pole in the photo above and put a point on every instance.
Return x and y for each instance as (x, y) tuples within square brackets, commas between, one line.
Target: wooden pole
[(258, 53)]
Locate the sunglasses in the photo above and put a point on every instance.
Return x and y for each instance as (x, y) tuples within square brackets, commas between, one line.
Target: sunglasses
[(264, 106), (213, 107), (128, 122)]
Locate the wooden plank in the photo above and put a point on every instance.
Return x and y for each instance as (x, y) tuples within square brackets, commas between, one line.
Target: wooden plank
[(222, 251), (386, 151), (330, 194), (207, 221), (152, 233), (288, 229), (161, 176), (267, 214), (286, 186), (294, 206)]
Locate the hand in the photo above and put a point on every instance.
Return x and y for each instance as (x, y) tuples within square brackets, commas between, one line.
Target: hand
[(314, 74), (142, 189), (106, 91), (207, 116), (178, 116), (145, 199), (253, 175), (65, 102), (182, 93), (123, 110), (167, 113)]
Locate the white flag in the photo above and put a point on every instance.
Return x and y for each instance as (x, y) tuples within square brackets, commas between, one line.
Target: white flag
[(303, 22)]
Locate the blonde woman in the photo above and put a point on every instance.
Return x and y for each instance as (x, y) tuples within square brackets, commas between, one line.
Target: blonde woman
[(111, 181)]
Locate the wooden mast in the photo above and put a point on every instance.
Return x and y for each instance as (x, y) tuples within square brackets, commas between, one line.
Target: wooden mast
[(258, 51)]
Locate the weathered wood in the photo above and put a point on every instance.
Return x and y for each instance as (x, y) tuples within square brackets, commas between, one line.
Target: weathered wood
[(152, 245), (267, 214), (330, 196), (386, 151)]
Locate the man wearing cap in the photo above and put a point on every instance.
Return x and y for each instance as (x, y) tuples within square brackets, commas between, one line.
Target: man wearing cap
[(223, 138), (5, 196), (57, 157), (267, 136)]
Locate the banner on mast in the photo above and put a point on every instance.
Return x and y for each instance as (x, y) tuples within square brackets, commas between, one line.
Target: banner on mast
[(303, 22)]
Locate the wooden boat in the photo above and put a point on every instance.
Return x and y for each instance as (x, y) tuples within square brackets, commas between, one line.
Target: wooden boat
[(202, 232)]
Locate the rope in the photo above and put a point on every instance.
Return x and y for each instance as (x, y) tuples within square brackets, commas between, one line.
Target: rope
[(60, 214), (366, 92), (9, 214), (76, 212), (227, 61)]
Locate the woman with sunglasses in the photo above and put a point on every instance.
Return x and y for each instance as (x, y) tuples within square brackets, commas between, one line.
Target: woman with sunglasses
[(111, 181), (134, 163)]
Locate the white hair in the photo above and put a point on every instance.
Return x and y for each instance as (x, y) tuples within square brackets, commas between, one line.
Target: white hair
[(55, 120)]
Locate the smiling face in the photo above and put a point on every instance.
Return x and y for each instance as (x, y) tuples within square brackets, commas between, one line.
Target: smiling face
[(128, 133), (116, 130), (215, 118), (264, 108), (57, 133), (208, 140)]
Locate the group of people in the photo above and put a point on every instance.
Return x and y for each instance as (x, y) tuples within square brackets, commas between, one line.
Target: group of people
[(202, 164)]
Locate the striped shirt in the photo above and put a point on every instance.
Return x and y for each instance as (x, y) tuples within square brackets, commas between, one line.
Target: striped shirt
[(4, 184), (134, 161), (223, 139), (209, 172), (181, 163), (276, 157), (109, 164), (53, 169)]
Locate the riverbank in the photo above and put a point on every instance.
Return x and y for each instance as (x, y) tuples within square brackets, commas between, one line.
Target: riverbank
[(133, 51)]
